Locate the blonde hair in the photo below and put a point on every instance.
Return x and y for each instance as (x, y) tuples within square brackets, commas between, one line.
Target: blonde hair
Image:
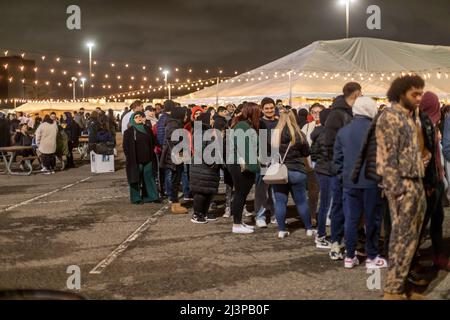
[(288, 119)]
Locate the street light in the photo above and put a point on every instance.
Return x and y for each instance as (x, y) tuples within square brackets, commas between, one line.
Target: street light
[(166, 73), (74, 81), (83, 81), (90, 46), (347, 16)]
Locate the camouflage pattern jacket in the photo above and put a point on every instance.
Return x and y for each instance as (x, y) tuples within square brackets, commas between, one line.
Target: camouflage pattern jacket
[(398, 152)]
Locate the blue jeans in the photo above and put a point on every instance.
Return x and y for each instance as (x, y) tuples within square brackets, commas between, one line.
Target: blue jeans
[(263, 198), (325, 203), (356, 202), (337, 212), (297, 187)]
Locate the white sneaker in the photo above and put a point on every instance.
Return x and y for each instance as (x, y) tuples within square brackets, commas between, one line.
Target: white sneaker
[(242, 230), (227, 213), (322, 243), (311, 233), (349, 263), (377, 263), (273, 220), (247, 214), (283, 234), (335, 252), (261, 223), (46, 171), (248, 226)]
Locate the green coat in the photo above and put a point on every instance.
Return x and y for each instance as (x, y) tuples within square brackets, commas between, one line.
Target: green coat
[(251, 147)]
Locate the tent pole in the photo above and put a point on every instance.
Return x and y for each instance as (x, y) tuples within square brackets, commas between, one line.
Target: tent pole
[(290, 88), (217, 92)]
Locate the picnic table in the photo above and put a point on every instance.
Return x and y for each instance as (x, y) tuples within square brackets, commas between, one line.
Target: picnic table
[(83, 147), (11, 152)]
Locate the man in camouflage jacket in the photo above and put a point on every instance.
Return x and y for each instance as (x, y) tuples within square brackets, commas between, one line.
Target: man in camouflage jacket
[(401, 165)]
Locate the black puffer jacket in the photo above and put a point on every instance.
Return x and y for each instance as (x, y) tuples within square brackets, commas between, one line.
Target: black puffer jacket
[(295, 158), (204, 178), (318, 150), (341, 114), (166, 154)]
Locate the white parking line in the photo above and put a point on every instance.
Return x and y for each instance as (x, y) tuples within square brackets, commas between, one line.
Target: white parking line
[(124, 245), (43, 196)]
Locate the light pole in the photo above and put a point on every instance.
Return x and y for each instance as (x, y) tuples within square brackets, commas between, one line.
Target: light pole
[(74, 83), (90, 46), (347, 16), (83, 81), (166, 74)]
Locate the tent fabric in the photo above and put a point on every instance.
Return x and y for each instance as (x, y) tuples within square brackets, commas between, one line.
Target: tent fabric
[(319, 71)]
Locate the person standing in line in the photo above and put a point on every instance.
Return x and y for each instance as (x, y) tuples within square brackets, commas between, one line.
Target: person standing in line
[(364, 197), (293, 149), (245, 162), (138, 146), (319, 159), (204, 177), (175, 122), (263, 192), (402, 168), (340, 115)]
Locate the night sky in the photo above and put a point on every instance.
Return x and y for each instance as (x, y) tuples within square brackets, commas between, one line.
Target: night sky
[(229, 34)]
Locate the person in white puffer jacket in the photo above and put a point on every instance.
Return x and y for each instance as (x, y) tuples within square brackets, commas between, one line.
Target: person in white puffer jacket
[(46, 135)]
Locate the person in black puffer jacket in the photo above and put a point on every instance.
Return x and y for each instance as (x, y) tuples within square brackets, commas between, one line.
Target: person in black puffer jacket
[(175, 122), (320, 163), (204, 182), (341, 115), (294, 148)]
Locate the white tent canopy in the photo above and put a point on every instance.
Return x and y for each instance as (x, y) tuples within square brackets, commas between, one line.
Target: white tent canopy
[(321, 69), (36, 107)]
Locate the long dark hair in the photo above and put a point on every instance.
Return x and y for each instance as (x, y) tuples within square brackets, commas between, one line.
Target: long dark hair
[(48, 119), (251, 113)]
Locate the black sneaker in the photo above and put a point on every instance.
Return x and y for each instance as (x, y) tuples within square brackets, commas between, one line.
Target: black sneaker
[(198, 219), (417, 279), (211, 217)]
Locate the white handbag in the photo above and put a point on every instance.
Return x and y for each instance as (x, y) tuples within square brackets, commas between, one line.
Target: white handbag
[(277, 173)]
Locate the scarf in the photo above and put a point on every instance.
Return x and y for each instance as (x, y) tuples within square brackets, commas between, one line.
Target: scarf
[(138, 127)]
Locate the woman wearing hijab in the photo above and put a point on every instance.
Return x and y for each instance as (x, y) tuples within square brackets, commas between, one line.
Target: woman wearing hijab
[(138, 146)]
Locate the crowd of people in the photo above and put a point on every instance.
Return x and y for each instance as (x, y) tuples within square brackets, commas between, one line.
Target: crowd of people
[(52, 137), (355, 166)]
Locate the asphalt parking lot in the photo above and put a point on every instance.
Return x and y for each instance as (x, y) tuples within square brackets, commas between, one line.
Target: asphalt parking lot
[(75, 218)]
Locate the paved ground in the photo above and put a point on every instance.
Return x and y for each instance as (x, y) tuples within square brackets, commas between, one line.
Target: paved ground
[(167, 257)]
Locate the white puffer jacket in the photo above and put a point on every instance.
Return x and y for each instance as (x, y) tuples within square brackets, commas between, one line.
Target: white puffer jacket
[(46, 135)]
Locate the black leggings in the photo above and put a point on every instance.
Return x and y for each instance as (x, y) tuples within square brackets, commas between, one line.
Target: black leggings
[(243, 183), (176, 179), (202, 202)]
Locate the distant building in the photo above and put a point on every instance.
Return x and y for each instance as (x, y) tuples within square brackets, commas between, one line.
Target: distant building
[(17, 78)]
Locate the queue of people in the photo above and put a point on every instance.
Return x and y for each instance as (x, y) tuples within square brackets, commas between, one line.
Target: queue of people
[(354, 166)]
